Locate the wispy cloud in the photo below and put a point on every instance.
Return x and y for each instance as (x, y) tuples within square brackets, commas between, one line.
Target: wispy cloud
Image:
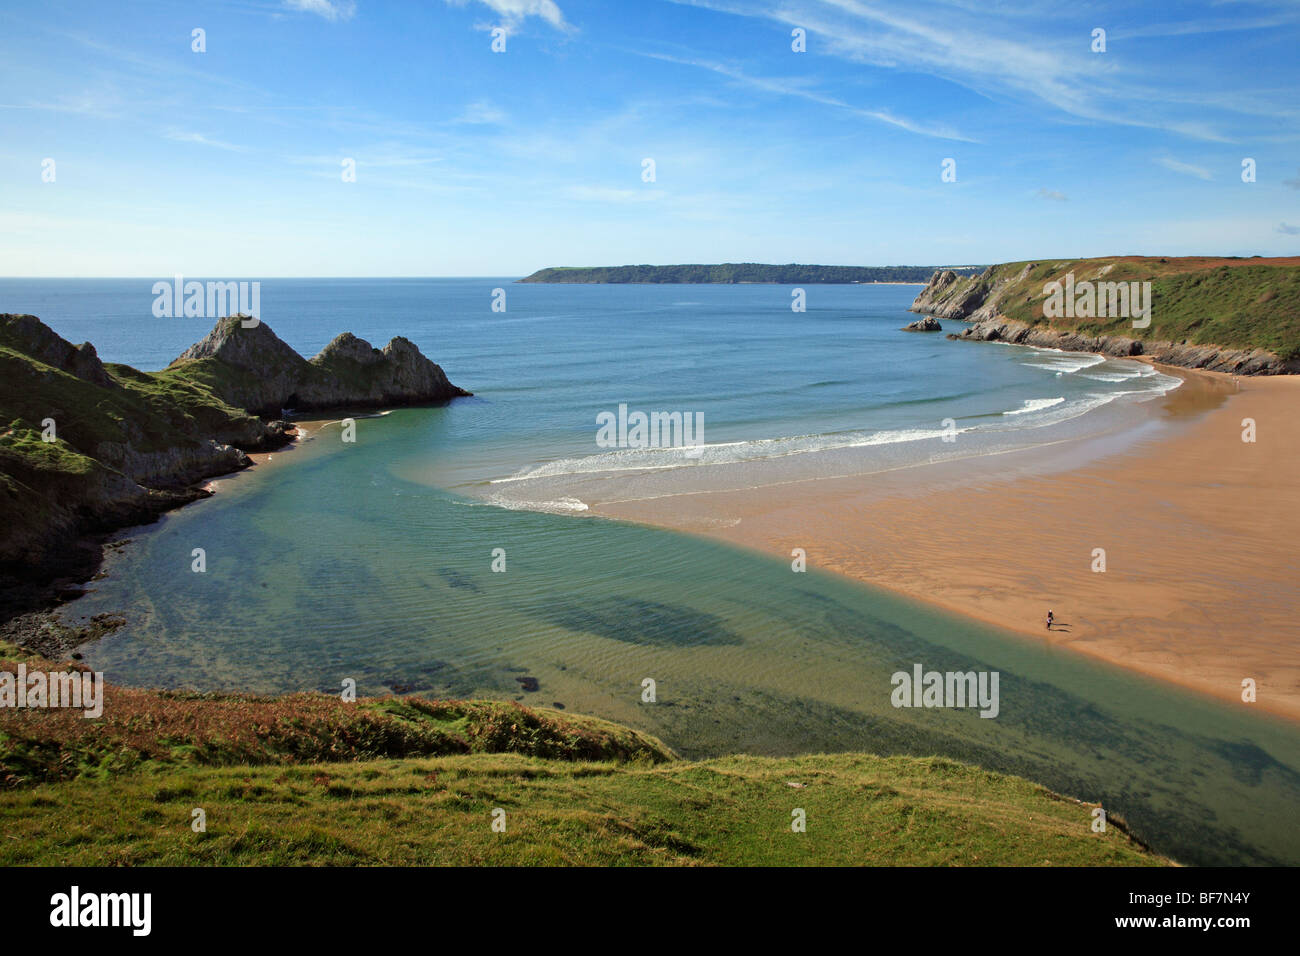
[(609, 195), (1052, 194), (1287, 230), (1293, 183), (992, 52), (384, 156), (1187, 169), (183, 136), (482, 113), (329, 9), (514, 12), (796, 88)]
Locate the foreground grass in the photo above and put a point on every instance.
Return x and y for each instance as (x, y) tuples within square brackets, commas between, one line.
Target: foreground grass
[(306, 779), (861, 810)]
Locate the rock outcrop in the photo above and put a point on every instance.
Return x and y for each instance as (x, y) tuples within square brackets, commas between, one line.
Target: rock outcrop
[(31, 336), (349, 371), (927, 324), (250, 367), (1208, 357), (1005, 304), (87, 448)]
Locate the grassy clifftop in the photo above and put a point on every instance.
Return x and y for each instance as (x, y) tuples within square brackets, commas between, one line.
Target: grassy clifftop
[(735, 272), (1234, 303), (87, 446), (309, 779), (860, 810)]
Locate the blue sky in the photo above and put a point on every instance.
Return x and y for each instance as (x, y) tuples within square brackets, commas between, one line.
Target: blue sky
[(228, 163)]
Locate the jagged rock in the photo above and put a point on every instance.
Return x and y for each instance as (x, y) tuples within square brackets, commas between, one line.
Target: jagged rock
[(1209, 357), (927, 324), (977, 299), (121, 447), (252, 368), (249, 367), (31, 336)]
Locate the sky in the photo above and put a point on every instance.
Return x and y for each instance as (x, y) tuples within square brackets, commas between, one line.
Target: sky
[(126, 151)]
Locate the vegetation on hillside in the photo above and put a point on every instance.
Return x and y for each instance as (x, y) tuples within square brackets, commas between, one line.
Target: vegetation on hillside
[(310, 779), (1232, 303), (730, 272), (86, 447)]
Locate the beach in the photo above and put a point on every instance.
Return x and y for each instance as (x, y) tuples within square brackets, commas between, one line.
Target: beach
[(1199, 530)]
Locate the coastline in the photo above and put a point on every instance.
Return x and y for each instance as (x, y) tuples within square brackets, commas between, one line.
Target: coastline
[(1199, 583)]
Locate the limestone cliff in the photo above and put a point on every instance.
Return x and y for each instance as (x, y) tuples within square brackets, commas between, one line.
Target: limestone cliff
[(1230, 315), (88, 447), (250, 367)]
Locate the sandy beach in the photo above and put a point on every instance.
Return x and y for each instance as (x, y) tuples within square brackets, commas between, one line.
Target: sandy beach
[(1199, 529)]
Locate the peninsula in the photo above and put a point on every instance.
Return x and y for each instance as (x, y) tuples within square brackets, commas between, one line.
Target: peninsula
[(744, 272), (1235, 315), (87, 447)]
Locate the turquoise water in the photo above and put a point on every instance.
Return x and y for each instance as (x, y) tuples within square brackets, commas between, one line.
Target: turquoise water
[(373, 560)]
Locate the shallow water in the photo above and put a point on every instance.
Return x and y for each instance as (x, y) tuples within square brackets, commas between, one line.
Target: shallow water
[(373, 560), (335, 567)]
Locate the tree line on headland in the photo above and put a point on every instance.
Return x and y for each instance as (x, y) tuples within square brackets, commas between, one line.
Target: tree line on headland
[(737, 272)]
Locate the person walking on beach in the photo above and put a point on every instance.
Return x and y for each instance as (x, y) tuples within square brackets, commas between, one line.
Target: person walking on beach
[(1049, 618)]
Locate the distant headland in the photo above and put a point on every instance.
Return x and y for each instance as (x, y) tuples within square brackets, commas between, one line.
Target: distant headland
[(1224, 314), (745, 272)]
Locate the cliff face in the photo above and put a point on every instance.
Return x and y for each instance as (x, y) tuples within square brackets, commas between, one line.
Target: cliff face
[(349, 371), (31, 336), (87, 447), (1238, 316), (251, 368)]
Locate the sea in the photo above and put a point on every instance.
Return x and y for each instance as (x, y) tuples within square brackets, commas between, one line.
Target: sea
[(452, 551)]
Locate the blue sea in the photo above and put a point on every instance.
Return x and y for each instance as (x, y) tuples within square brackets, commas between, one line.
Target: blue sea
[(452, 552)]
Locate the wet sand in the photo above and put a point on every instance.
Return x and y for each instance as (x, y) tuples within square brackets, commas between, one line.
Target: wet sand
[(1199, 528)]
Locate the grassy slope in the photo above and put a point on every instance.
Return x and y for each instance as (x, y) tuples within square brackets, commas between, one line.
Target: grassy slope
[(153, 412), (52, 492), (1236, 303), (732, 272), (860, 809), (308, 779)]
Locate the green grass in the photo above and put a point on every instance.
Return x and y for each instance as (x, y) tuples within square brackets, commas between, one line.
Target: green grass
[(310, 779), (1233, 303), (156, 730), (150, 412), (860, 810), (729, 272), (124, 446)]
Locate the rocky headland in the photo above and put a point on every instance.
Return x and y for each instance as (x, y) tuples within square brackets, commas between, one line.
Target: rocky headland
[(1240, 316), (88, 447), (249, 367)]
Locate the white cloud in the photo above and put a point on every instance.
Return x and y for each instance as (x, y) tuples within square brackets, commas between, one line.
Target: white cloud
[(1187, 169), (482, 113), (610, 195), (984, 48), (1052, 194), (788, 88), (199, 139), (329, 9), (514, 12)]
